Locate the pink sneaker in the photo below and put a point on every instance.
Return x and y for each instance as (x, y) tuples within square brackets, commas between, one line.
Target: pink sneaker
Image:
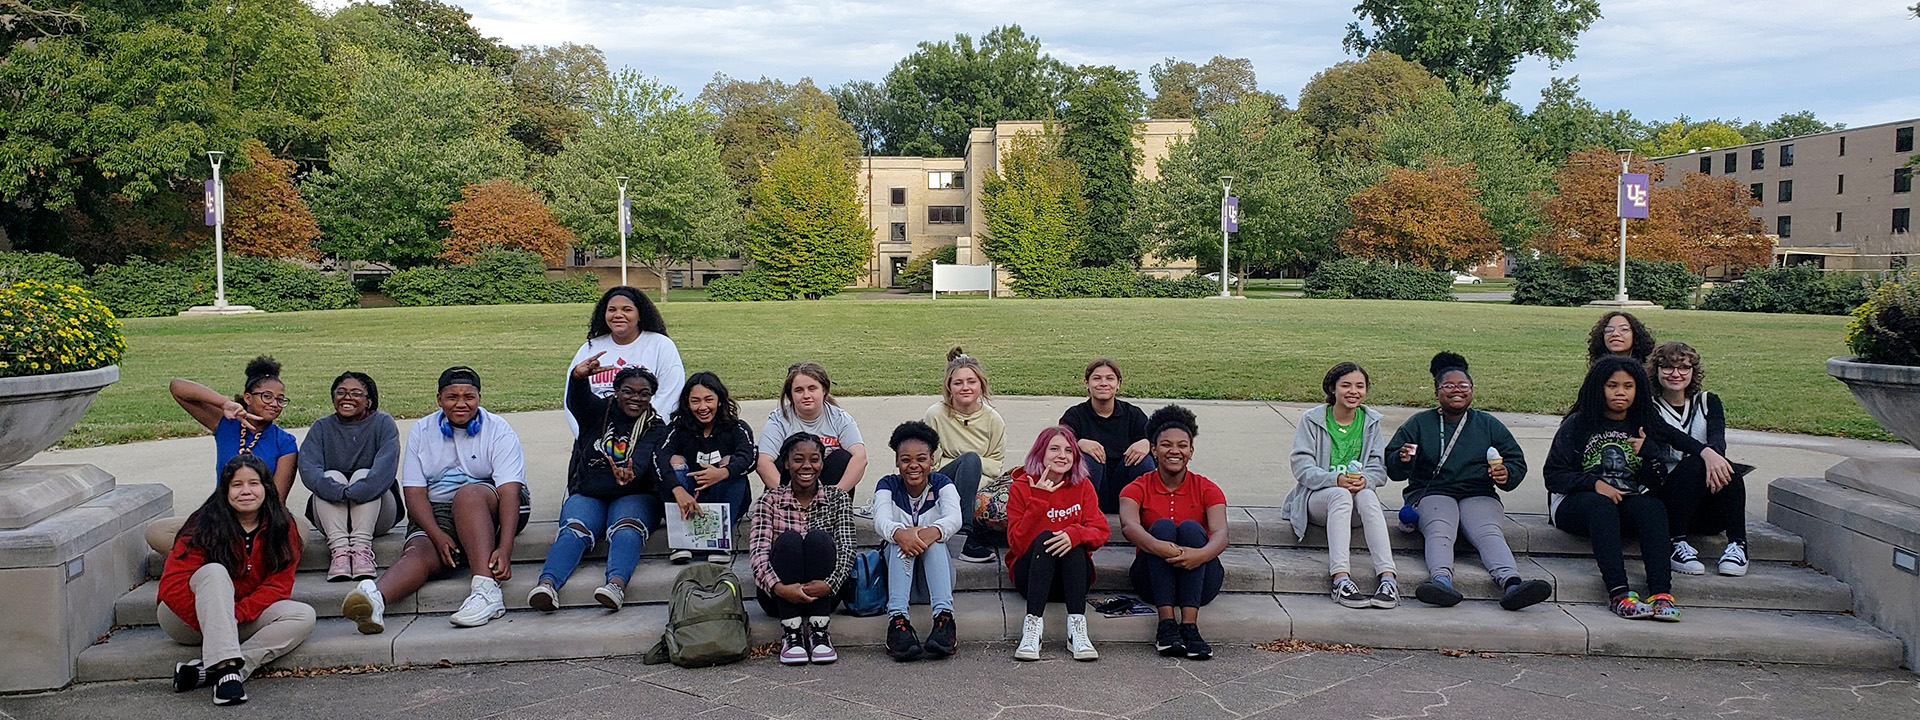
[(341, 569), (364, 567)]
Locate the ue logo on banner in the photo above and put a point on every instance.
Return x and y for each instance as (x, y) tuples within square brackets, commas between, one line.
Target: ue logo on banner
[(1634, 189), (1230, 214)]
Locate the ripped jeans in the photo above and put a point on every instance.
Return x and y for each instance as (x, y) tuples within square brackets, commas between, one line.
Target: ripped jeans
[(624, 520)]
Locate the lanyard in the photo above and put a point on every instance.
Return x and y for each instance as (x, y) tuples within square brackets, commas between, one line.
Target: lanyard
[(918, 505), (1446, 446)]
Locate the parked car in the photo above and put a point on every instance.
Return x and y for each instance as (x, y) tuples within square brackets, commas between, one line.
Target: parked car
[(1461, 278), (1232, 279)]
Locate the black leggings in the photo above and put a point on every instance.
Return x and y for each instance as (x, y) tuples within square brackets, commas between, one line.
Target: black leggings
[(1692, 509), (1043, 578), (802, 559), (1593, 515), (1167, 586)]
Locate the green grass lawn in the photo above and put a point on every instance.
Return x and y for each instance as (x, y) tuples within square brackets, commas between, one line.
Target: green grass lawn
[(1768, 368)]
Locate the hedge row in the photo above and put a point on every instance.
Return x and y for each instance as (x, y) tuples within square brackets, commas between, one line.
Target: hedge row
[(143, 288), (496, 277), (1120, 281), (1549, 281), (1798, 289), (1359, 279)]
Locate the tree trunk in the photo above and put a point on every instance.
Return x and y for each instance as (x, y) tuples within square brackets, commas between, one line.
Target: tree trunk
[(661, 271)]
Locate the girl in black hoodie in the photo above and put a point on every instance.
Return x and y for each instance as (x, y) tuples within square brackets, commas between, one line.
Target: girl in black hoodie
[(706, 454)]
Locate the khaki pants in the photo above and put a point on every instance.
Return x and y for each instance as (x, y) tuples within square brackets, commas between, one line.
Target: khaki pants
[(161, 533), (279, 629), (350, 525)]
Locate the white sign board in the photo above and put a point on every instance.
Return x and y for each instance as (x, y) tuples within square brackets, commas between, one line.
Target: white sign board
[(962, 278)]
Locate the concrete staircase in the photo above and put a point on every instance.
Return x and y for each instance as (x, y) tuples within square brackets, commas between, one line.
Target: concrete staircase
[(1276, 587)]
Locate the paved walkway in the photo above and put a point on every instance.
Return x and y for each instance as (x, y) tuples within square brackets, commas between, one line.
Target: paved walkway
[(984, 683), (1243, 446)]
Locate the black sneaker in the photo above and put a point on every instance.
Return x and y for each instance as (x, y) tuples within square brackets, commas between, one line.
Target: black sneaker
[(1167, 639), (229, 691), (1197, 647), (903, 644), (1525, 593), (1437, 593), (940, 642), (189, 675), (975, 551)]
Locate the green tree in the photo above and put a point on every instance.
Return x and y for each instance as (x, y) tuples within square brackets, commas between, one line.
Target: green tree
[(1563, 123), (1343, 104), (1288, 208), (1465, 128), (943, 90), (551, 84), (864, 105), (1182, 89), (1101, 118), (1036, 215), (807, 232), (419, 136), (755, 118), (1471, 43), (1683, 135), (446, 31), (683, 205), (1788, 125)]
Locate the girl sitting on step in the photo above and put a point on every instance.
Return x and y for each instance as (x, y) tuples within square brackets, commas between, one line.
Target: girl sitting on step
[(1112, 432), (973, 440), (1339, 459), (807, 405), (227, 582), (1054, 524), (915, 513), (350, 461), (1177, 522), (612, 483), (801, 546), (1453, 482), (706, 454), (1699, 500), (244, 423)]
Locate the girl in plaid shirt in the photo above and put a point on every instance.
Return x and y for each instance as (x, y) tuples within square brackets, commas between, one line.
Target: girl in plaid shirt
[(802, 546)]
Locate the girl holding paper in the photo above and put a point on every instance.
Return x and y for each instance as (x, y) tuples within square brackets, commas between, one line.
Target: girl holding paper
[(707, 452)]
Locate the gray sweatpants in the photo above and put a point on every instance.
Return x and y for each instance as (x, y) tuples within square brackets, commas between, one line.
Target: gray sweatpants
[(1443, 518)]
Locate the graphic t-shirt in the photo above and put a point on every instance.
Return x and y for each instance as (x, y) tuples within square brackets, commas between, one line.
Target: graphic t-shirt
[(1344, 439), (834, 426)]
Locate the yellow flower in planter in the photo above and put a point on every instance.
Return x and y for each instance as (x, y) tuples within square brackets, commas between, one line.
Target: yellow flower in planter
[(48, 328)]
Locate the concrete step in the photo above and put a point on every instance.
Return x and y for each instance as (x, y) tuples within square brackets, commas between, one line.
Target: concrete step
[(1568, 628)]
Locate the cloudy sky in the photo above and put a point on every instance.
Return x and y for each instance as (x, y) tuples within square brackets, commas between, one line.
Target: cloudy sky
[(1851, 61)]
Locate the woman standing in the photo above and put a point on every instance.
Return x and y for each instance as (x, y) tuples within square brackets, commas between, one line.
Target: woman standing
[(1177, 522), (1453, 478), (626, 331), (243, 423), (227, 580), (707, 452), (1339, 458), (802, 546), (1618, 333), (1697, 502), (1053, 527), (807, 406), (350, 461), (1112, 432), (611, 484), (973, 440)]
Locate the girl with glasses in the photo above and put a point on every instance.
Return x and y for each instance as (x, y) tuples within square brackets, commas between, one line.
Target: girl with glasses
[(1699, 501), (244, 423), (350, 461)]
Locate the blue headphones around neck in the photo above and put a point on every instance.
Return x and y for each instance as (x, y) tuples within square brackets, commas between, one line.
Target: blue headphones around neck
[(473, 426)]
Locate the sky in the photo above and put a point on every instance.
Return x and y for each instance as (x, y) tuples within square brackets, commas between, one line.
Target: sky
[(1850, 61)]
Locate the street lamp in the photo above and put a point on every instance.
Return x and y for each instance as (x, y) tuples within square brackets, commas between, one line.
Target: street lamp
[(1229, 221), (626, 225), (218, 211), (1626, 156)]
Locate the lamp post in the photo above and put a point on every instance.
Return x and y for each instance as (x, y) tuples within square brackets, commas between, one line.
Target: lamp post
[(1229, 221), (1626, 156), (626, 225), (218, 211), (1632, 195)]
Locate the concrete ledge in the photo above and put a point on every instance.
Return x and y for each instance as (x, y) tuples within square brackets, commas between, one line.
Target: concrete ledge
[(1767, 586), (1755, 635), (68, 533), (33, 493), (1481, 626)]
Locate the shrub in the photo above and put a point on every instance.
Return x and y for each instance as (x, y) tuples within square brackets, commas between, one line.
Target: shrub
[(749, 286), (1798, 289), (143, 288), (1886, 328), (45, 267), (48, 328), (281, 286), (495, 277), (1112, 281), (1549, 281), (918, 274), (1359, 279), (1188, 286)]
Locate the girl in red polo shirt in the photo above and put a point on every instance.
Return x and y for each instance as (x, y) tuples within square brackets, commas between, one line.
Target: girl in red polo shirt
[(1054, 524), (1177, 522)]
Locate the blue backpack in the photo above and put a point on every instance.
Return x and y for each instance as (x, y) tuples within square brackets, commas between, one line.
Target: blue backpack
[(865, 592)]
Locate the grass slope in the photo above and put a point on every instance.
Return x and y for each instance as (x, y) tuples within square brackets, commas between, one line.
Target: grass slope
[(1768, 368)]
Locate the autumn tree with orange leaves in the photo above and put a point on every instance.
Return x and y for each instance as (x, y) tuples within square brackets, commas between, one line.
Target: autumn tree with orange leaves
[(1431, 218), (501, 213), (1704, 221), (266, 216)]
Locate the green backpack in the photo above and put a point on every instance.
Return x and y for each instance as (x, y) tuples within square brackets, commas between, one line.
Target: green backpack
[(706, 620)]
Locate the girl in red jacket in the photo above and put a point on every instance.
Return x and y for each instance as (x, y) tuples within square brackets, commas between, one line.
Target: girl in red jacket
[(1054, 523), (227, 582)]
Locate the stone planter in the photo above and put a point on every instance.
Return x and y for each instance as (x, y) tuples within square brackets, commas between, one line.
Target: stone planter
[(1889, 393), (37, 410)]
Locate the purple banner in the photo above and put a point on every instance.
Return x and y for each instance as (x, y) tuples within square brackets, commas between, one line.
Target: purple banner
[(626, 216), (213, 204), (1230, 214), (1634, 191)]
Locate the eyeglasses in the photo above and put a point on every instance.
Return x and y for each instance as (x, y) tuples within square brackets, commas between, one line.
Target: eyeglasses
[(1453, 386), (350, 393), (629, 392), (270, 398), (1676, 368), (1617, 330)]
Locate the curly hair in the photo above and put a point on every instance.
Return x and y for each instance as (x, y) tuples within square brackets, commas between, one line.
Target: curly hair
[(1671, 354), (649, 320), (366, 381), (1597, 338), (786, 449), (914, 430), (1172, 417)]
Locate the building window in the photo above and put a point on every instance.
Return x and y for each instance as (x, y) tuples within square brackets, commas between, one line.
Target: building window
[(897, 196), (946, 214), (1785, 194), (1903, 180), (1903, 139), (1838, 223), (1843, 186), (1901, 217), (1732, 160), (1783, 226), (1706, 164), (1843, 146), (1759, 159), (897, 232), (946, 180), (1758, 191), (1786, 156)]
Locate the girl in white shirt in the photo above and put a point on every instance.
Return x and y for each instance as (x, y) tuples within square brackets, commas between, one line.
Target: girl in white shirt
[(627, 329)]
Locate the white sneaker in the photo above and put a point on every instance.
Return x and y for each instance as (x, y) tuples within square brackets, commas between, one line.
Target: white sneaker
[(1686, 560), (366, 607), (1733, 562), (1030, 631), (482, 605), (1077, 641)]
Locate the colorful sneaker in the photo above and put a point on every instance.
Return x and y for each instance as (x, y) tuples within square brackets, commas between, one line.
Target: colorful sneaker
[(1733, 562), (1663, 608), (903, 644), (1167, 640), (820, 645), (940, 641), (1348, 594), (1438, 591), (1686, 560), (1629, 606), (1197, 647), (1387, 596), (543, 598), (793, 646), (366, 608), (340, 568)]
